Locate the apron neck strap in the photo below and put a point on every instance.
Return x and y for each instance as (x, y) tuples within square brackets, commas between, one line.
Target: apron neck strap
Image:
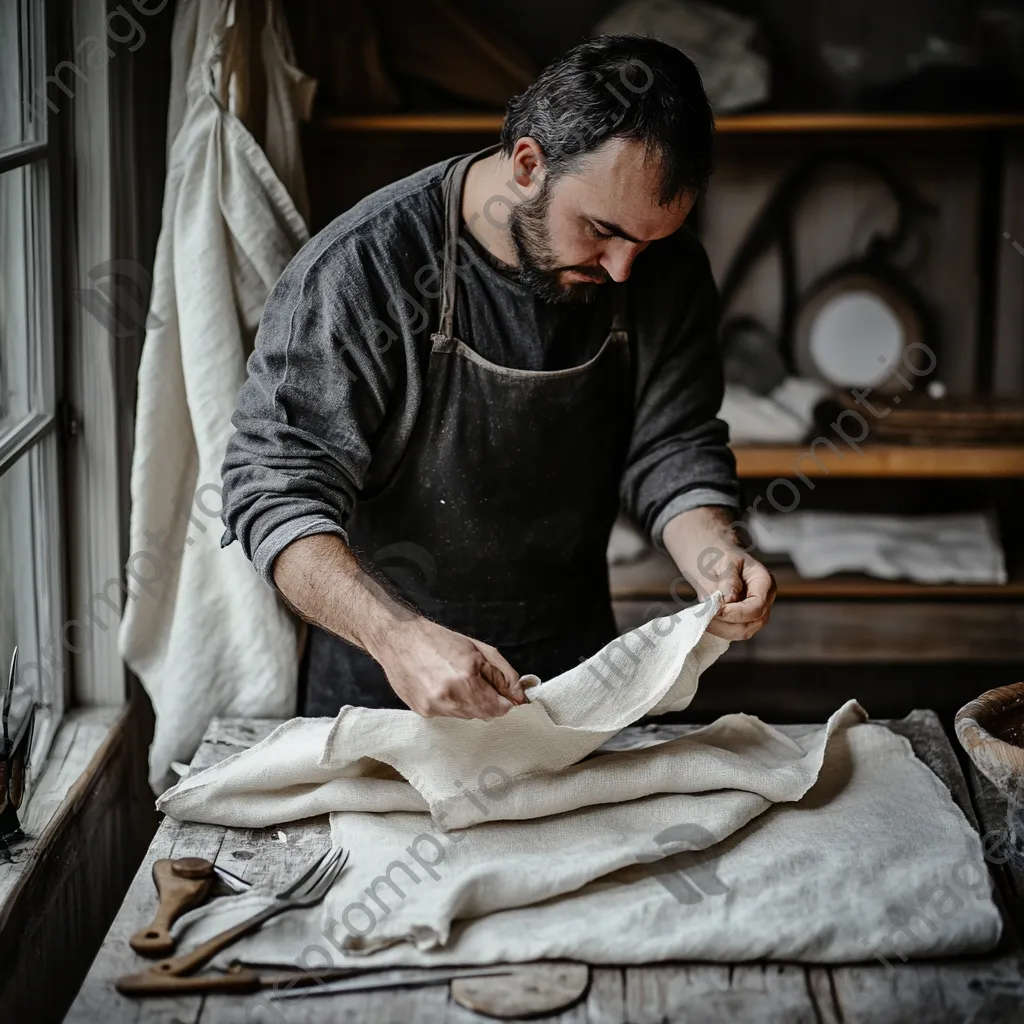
[(451, 193)]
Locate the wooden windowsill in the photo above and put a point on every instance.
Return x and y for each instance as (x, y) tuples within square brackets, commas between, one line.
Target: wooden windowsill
[(82, 747)]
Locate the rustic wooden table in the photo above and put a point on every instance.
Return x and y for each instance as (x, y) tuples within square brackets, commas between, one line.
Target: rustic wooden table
[(975, 990)]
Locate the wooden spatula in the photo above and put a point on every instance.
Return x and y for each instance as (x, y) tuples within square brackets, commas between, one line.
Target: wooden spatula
[(181, 884)]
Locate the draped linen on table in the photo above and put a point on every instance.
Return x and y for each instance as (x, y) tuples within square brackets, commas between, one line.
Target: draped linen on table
[(532, 836)]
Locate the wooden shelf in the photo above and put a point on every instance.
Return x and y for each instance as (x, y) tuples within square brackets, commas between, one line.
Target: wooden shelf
[(439, 123), (749, 124), (739, 124), (651, 579), (910, 461)]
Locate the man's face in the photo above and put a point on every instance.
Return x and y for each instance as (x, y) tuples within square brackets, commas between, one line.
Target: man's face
[(588, 226)]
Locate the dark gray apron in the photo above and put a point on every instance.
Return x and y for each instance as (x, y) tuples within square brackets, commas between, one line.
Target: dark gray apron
[(496, 521)]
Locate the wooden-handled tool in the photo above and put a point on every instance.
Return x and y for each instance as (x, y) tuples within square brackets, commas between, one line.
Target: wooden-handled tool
[(181, 884)]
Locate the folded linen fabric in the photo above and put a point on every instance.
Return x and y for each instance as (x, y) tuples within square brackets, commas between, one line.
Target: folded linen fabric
[(875, 859), (691, 794), (375, 760), (454, 824)]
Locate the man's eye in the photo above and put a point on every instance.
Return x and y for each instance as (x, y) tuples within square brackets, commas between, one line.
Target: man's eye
[(598, 233)]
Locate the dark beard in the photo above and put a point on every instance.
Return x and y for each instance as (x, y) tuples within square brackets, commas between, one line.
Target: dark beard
[(538, 266)]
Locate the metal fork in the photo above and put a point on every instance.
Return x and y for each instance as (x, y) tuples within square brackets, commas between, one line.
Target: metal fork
[(308, 890)]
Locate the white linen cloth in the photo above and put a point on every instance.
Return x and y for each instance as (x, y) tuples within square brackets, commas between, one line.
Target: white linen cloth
[(875, 860), (380, 759), (201, 629), (519, 824), (957, 548)]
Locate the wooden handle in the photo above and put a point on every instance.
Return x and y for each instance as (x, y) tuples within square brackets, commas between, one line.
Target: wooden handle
[(180, 884), (186, 963), (237, 978), (153, 983)]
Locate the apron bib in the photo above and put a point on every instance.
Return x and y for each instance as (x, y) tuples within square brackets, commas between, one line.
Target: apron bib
[(496, 521)]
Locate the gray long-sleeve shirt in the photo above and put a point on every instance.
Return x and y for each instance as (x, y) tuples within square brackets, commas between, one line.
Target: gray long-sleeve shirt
[(336, 378)]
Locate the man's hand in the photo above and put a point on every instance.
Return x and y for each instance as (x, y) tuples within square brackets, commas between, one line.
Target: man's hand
[(438, 672), (434, 670), (703, 545)]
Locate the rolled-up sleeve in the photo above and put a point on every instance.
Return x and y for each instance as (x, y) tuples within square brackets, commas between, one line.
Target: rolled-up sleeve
[(314, 396), (679, 456)]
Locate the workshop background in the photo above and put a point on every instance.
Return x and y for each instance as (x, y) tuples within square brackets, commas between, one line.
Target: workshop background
[(865, 224), (862, 213)]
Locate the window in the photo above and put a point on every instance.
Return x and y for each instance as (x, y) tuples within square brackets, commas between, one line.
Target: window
[(31, 563)]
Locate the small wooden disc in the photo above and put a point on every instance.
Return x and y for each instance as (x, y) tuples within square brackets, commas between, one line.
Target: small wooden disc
[(192, 867), (529, 991)]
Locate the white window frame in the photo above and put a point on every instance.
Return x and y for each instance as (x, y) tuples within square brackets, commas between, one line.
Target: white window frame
[(77, 424), (29, 439), (96, 467)]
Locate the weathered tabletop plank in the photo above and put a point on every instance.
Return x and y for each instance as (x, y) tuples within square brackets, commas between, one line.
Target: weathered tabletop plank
[(972, 990)]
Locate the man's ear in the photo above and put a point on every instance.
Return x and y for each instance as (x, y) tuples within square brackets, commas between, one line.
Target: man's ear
[(527, 163)]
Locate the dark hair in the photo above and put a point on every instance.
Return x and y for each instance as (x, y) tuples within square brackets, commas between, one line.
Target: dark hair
[(628, 87)]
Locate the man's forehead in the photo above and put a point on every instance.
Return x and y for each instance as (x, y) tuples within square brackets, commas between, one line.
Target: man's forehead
[(619, 183)]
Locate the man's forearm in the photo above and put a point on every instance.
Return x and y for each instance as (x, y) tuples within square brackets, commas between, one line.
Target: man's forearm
[(434, 670), (700, 541), (321, 580)]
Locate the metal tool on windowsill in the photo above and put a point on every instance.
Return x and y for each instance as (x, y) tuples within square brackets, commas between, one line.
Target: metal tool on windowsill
[(181, 884), (14, 755)]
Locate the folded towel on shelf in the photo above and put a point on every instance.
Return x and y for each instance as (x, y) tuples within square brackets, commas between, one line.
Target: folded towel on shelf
[(784, 416), (956, 548)]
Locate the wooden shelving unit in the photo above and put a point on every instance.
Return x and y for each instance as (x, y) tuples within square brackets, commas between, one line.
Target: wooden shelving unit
[(897, 461), (840, 619), (656, 578), (740, 124)]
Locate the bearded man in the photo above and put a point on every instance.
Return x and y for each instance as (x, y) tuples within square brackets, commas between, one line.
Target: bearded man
[(469, 373)]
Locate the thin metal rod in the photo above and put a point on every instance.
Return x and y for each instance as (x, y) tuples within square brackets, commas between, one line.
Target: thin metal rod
[(18, 156), (33, 430)]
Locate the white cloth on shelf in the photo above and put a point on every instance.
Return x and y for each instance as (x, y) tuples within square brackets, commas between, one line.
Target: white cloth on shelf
[(746, 834), (785, 416), (955, 548), (719, 41), (201, 629), (626, 544)]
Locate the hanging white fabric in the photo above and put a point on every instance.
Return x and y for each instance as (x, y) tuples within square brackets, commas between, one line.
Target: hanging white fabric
[(201, 629)]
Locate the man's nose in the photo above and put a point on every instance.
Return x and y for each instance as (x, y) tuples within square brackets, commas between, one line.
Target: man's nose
[(618, 262)]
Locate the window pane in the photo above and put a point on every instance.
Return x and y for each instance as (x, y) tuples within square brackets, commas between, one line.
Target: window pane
[(29, 545), (21, 73), (26, 335)]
